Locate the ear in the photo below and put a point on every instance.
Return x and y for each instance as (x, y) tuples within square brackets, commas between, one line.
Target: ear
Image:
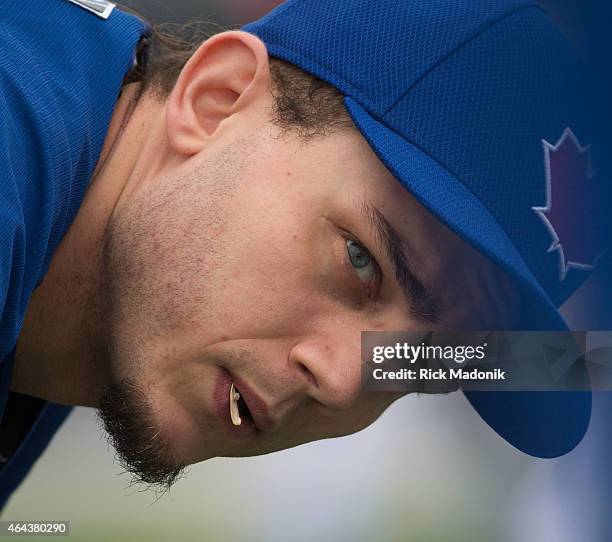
[(228, 75)]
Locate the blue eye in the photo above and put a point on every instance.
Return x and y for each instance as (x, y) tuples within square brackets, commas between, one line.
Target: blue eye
[(361, 260)]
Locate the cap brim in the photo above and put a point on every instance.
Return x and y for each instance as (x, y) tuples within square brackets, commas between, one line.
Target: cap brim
[(539, 423)]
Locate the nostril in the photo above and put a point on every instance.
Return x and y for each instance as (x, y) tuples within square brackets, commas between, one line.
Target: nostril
[(308, 374)]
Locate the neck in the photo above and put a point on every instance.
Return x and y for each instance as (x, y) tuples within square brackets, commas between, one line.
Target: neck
[(61, 354)]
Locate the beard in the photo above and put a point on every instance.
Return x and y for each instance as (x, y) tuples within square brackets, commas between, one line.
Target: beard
[(127, 416), (159, 248)]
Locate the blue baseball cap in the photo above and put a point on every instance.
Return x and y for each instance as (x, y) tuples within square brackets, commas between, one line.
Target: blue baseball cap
[(478, 108)]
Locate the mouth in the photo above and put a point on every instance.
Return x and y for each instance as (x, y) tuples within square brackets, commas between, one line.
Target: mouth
[(241, 409)]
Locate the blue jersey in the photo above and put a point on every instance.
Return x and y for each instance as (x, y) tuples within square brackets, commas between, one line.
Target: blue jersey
[(61, 70)]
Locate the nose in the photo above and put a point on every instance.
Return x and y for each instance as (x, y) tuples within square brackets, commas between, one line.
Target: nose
[(330, 369)]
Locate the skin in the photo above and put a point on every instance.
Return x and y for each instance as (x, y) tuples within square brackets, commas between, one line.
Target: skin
[(210, 241)]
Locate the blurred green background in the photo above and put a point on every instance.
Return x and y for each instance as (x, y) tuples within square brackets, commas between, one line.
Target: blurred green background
[(428, 470)]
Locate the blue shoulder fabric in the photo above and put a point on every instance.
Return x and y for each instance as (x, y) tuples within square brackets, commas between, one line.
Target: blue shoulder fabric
[(61, 70)]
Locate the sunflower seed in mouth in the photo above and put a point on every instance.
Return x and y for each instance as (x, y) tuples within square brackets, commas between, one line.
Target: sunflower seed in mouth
[(234, 396)]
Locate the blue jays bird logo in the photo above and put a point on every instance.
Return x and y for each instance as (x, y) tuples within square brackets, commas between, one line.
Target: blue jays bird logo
[(573, 211)]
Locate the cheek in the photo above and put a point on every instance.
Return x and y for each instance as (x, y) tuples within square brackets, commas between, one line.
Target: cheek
[(311, 423), (268, 280), (161, 250)]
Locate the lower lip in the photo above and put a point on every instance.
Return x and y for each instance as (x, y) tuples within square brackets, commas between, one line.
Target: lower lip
[(221, 398)]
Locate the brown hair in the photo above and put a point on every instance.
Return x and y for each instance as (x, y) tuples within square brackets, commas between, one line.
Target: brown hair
[(303, 103)]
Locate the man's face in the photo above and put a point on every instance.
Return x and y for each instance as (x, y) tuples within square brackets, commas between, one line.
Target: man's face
[(258, 263)]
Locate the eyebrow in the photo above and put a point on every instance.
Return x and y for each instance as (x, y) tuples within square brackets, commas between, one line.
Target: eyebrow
[(422, 303)]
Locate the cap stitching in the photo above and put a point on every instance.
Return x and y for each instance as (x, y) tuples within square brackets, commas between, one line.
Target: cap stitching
[(457, 48)]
